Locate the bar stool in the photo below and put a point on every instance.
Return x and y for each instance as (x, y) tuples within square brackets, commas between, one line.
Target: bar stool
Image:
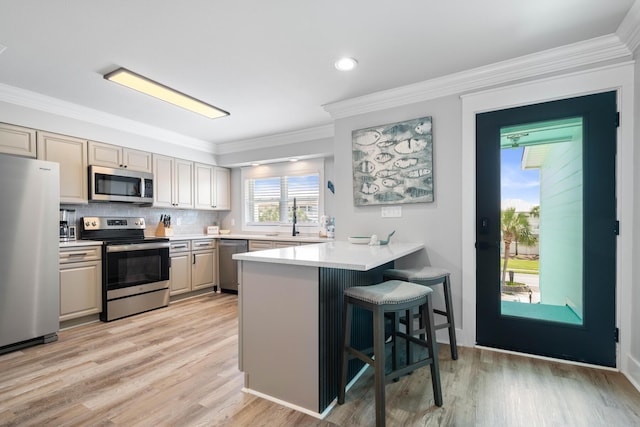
[(431, 276), (395, 297)]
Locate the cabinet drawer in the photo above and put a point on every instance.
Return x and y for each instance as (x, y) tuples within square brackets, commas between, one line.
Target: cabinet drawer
[(81, 253), (285, 244), (197, 245), (260, 245), (180, 246)]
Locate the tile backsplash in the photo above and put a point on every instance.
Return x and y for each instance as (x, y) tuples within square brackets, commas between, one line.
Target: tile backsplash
[(183, 221)]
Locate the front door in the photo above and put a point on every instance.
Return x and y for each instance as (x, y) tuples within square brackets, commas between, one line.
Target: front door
[(546, 229)]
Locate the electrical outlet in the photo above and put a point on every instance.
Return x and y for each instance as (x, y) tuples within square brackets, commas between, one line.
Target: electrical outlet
[(178, 221), (391, 211), (233, 222)]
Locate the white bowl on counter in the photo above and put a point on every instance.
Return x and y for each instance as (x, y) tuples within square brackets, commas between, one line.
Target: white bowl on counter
[(224, 231), (359, 240)]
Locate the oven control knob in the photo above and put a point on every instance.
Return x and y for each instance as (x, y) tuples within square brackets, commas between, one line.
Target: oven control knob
[(93, 223), (86, 224)]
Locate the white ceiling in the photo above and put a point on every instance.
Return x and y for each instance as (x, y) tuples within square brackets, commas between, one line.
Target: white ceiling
[(270, 63)]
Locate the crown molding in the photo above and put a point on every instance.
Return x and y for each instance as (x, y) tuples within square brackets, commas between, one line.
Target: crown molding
[(588, 52), (285, 138), (629, 29), (47, 104)]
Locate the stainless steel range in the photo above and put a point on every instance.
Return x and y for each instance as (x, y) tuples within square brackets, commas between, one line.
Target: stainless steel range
[(135, 269)]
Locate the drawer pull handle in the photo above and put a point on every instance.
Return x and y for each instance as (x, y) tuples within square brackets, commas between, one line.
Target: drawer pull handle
[(70, 254), (178, 246)]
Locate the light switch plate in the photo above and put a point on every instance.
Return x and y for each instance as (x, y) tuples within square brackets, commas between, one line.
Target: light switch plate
[(391, 211)]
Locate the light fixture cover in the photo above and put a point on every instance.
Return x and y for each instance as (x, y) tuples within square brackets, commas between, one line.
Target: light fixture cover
[(147, 86), (346, 64)]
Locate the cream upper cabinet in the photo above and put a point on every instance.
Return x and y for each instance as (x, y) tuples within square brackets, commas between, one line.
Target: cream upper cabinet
[(71, 153), (119, 157), (222, 193), (172, 182), (211, 187), (203, 180), (17, 140)]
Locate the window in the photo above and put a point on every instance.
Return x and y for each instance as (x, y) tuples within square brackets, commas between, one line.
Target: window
[(270, 190)]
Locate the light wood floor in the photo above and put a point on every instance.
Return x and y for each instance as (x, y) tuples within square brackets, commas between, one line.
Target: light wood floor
[(178, 367)]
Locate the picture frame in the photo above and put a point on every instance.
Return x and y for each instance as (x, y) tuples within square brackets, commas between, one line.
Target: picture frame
[(393, 163)]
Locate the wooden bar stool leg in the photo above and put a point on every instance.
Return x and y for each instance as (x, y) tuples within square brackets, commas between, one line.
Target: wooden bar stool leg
[(378, 351), (409, 331), (427, 318), (448, 300)]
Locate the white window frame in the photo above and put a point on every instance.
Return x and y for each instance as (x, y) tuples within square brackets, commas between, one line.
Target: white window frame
[(301, 167)]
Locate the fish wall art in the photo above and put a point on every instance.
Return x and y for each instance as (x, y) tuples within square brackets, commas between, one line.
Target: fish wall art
[(393, 163)]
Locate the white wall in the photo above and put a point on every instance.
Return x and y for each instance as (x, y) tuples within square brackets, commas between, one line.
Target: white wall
[(436, 224)]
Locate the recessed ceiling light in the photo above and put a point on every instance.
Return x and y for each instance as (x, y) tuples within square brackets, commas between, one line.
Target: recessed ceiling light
[(147, 86), (346, 64)]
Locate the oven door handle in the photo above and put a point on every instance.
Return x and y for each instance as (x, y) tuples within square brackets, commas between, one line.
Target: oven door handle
[(137, 247)]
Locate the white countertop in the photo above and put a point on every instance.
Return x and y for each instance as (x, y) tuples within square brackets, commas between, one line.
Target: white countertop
[(78, 243), (337, 254)]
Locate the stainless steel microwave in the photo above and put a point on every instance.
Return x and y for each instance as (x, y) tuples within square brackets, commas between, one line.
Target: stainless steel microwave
[(120, 185)]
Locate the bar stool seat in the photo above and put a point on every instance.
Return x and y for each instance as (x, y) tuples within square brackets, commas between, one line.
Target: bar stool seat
[(431, 276), (393, 296)]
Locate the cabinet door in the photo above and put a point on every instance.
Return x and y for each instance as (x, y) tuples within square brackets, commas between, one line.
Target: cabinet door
[(203, 271), (180, 273), (183, 184), (203, 182), (71, 153), (105, 155), (222, 193), (80, 289), (17, 140), (137, 160), (162, 181)]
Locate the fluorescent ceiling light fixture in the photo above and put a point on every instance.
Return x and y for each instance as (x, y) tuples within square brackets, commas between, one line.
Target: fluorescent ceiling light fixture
[(142, 84), (346, 64), (293, 159)]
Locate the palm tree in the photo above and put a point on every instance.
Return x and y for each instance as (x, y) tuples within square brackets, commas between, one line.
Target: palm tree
[(514, 228)]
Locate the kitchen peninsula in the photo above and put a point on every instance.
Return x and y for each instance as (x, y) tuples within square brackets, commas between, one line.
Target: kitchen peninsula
[(290, 317)]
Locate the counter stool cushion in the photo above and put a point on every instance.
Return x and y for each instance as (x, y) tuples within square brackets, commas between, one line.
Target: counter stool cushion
[(417, 273), (389, 292)]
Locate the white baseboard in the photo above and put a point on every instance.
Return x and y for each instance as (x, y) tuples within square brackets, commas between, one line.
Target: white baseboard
[(633, 371)]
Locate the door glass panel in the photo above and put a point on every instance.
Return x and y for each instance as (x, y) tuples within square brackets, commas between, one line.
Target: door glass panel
[(541, 257)]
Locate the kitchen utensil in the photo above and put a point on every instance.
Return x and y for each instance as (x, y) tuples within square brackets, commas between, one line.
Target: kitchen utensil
[(384, 242)]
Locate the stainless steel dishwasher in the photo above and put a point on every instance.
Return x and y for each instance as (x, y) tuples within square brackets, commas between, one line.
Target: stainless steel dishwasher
[(229, 267)]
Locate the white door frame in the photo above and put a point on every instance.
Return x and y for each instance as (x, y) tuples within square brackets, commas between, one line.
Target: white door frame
[(618, 77)]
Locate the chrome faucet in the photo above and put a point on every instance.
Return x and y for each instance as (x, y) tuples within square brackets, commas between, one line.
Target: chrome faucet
[(295, 219)]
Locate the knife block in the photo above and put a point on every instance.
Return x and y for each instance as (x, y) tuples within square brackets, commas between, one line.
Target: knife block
[(162, 231)]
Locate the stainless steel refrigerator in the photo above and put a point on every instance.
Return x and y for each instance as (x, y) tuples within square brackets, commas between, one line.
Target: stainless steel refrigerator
[(29, 265)]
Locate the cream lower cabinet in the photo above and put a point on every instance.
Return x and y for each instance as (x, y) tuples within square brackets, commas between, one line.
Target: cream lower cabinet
[(204, 267), (80, 282), (180, 271)]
